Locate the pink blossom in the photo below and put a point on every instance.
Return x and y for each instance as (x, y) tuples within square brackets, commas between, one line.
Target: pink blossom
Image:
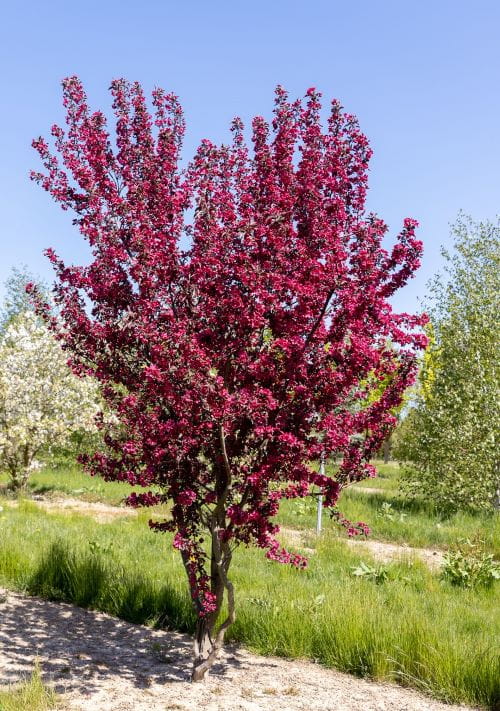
[(186, 497)]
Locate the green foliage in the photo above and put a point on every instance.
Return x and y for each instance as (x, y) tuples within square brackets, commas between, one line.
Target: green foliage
[(377, 573), (17, 300), (469, 565), (31, 694), (449, 441), (380, 573), (305, 507), (387, 512), (81, 441), (41, 400)]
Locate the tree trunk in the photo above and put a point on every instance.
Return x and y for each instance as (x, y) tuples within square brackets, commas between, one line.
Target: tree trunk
[(206, 647), (19, 470), (203, 641), (496, 497), (19, 481), (208, 641), (205, 626)]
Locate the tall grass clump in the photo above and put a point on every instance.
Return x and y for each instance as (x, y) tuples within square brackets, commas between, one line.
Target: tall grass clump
[(94, 579), (29, 695)]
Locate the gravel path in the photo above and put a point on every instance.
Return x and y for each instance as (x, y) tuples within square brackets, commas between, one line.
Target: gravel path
[(100, 663)]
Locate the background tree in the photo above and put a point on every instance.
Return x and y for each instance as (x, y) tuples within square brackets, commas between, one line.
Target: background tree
[(376, 390), (449, 443), (41, 401), (17, 301), (233, 363)]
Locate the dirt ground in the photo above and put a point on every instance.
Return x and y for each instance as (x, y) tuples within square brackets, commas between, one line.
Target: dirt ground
[(388, 552), (100, 663), (102, 513)]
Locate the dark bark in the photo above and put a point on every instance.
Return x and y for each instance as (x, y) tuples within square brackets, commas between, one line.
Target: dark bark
[(209, 639)]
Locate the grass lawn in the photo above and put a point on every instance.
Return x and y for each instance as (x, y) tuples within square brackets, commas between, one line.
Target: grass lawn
[(387, 478), (400, 523), (70, 480), (413, 628), (390, 517), (394, 519)]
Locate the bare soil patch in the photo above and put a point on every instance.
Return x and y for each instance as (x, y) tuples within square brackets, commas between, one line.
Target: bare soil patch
[(369, 490), (100, 663), (102, 513), (384, 552), (389, 552)]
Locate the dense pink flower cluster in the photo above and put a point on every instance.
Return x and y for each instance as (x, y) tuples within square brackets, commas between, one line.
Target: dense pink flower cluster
[(239, 316)]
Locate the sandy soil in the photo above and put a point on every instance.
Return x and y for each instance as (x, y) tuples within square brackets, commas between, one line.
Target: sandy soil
[(102, 513), (384, 552), (388, 552), (103, 664), (368, 490)]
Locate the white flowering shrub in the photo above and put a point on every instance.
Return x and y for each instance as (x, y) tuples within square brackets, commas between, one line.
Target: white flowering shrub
[(41, 401)]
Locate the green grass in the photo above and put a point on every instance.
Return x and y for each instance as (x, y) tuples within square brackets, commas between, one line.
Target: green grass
[(414, 628), (412, 523), (69, 480), (387, 479), (406, 526), (29, 695)]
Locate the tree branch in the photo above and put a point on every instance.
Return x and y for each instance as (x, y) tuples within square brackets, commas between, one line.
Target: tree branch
[(319, 319)]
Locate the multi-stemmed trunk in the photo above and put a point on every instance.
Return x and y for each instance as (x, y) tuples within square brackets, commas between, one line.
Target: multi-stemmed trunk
[(19, 482), (209, 636)]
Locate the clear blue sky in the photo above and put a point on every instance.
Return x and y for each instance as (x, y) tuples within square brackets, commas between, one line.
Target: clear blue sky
[(423, 78)]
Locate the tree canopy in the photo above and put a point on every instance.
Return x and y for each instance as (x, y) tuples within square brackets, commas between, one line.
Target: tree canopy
[(449, 443)]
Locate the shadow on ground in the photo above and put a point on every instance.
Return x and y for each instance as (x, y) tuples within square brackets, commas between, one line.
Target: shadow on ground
[(78, 648)]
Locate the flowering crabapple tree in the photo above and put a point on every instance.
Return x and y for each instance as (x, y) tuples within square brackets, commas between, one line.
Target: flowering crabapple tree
[(41, 401), (238, 305)]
